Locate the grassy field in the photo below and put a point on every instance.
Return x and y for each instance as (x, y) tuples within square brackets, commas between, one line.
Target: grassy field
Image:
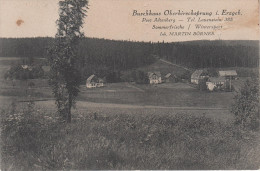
[(124, 139), (173, 94)]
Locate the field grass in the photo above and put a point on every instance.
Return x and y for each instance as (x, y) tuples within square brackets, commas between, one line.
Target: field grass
[(97, 140), (174, 94)]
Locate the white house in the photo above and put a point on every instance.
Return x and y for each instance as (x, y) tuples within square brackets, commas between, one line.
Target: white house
[(216, 83), (93, 81), (154, 77)]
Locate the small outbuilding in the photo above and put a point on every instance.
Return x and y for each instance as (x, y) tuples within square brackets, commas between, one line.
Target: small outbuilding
[(231, 74), (154, 77), (197, 76), (93, 81), (170, 78)]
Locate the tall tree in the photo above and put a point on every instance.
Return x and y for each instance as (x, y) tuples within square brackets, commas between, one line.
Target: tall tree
[(65, 77)]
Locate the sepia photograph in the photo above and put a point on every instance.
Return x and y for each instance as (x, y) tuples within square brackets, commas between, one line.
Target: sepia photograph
[(129, 85)]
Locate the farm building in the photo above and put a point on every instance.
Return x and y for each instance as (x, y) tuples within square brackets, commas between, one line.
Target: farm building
[(216, 83), (93, 81), (231, 74), (198, 75), (170, 78), (154, 77)]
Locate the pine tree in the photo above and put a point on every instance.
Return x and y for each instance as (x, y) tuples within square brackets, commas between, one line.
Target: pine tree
[(64, 75)]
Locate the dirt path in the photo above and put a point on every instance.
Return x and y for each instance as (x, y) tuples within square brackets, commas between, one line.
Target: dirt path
[(132, 86), (175, 64)]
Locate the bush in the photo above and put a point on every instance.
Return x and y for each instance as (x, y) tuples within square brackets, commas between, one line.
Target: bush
[(246, 104), (113, 77), (140, 77), (18, 72), (25, 134), (202, 84), (185, 75)]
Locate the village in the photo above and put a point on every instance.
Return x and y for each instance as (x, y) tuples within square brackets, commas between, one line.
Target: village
[(160, 84), (200, 78)]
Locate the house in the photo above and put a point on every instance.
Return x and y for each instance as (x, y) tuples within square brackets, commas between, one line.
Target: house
[(231, 74), (93, 81), (154, 77), (170, 78), (216, 83), (197, 76)]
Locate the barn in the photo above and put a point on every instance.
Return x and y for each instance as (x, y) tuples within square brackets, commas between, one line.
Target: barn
[(231, 74), (93, 81), (198, 75), (155, 77)]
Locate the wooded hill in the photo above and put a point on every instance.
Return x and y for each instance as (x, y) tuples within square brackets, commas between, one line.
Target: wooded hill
[(110, 55)]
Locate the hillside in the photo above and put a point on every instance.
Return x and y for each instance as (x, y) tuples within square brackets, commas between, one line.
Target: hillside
[(103, 57)]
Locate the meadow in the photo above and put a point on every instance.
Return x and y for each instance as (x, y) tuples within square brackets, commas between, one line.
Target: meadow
[(35, 139)]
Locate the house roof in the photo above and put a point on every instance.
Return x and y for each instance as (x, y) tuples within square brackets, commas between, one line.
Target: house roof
[(46, 68), (90, 78), (168, 75), (27, 67), (216, 79), (197, 73), (24, 66), (228, 73), (150, 74)]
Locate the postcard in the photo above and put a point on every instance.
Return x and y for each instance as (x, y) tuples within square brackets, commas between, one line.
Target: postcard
[(129, 84)]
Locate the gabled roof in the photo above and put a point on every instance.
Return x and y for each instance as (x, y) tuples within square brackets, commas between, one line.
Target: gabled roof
[(90, 78), (197, 73), (168, 75), (228, 73), (150, 74)]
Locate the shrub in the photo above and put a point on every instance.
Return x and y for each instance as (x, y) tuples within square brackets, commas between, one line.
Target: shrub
[(245, 107), (25, 133), (18, 72), (202, 84), (113, 77), (185, 75), (140, 77)]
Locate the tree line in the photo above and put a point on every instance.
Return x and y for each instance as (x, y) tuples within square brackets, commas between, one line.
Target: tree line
[(101, 55)]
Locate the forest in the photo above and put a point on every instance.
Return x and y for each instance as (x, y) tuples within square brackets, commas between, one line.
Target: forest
[(102, 56)]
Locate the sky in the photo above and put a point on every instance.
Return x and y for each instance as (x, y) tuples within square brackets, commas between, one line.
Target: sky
[(112, 19)]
